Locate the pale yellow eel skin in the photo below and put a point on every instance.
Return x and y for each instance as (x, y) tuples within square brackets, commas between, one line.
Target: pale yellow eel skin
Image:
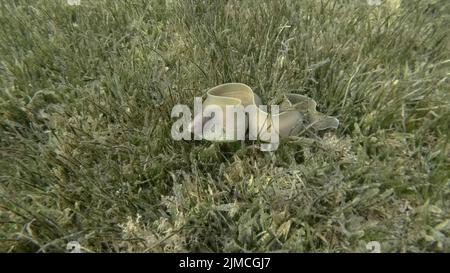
[(296, 112)]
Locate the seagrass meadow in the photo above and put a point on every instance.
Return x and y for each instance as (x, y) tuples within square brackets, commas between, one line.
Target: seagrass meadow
[(86, 153)]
